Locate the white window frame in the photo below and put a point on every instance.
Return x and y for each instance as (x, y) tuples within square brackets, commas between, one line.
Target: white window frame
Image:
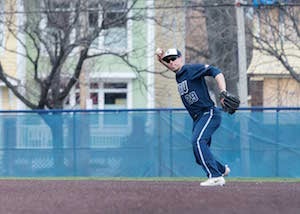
[(101, 92), (101, 95), (1, 100), (43, 24), (99, 45)]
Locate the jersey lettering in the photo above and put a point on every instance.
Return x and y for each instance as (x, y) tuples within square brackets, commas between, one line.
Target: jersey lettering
[(191, 97), (183, 88)]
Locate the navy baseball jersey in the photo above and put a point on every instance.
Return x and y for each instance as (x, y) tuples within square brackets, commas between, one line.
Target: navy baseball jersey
[(193, 89)]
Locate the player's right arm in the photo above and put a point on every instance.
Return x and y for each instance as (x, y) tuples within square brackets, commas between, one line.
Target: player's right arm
[(160, 54)]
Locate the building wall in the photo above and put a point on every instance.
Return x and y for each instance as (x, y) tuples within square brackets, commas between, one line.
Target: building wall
[(279, 88), (138, 91), (169, 33), (9, 63), (196, 35), (281, 92)]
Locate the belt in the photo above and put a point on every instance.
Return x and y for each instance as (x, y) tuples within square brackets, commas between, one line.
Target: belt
[(200, 113)]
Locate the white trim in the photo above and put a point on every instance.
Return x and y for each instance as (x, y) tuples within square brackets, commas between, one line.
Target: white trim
[(101, 92), (43, 27), (150, 56), (1, 100), (101, 95), (2, 26), (11, 99), (129, 95), (198, 142), (72, 97), (110, 75), (21, 68), (129, 29), (11, 80), (98, 45)]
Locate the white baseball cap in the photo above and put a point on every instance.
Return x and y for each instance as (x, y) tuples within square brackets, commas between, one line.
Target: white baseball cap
[(172, 52)]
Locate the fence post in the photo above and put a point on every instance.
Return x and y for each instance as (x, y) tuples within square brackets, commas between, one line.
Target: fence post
[(171, 144), (277, 144), (244, 144), (159, 144), (74, 145)]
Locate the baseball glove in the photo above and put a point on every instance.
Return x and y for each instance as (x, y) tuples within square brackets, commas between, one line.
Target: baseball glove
[(230, 102)]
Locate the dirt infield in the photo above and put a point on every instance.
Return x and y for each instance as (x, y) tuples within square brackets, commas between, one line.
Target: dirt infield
[(142, 197)]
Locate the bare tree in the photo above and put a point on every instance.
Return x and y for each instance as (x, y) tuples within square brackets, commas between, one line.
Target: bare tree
[(211, 35), (57, 37), (278, 34), (212, 39)]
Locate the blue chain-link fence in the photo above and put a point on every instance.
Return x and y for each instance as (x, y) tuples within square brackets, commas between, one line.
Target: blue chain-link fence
[(254, 142)]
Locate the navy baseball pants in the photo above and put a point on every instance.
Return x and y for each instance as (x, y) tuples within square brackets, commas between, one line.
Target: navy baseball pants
[(203, 128)]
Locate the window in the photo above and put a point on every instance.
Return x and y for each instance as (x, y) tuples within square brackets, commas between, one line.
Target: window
[(54, 23), (115, 95), (58, 18), (113, 20), (256, 91), (102, 95), (94, 14)]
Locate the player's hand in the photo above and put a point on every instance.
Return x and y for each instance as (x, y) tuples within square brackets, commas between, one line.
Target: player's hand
[(159, 53)]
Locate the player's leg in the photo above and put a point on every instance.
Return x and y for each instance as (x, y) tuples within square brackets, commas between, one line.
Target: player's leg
[(203, 129), (224, 169), (221, 167)]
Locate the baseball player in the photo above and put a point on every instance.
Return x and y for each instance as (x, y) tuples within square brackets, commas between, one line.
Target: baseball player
[(206, 117)]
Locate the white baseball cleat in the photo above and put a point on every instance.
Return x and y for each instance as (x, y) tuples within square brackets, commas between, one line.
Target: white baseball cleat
[(216, 181), (227, 171)]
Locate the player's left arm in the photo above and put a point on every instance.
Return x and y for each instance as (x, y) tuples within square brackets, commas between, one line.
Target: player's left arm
[(230, 103), (220, 79), (221, 82)]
